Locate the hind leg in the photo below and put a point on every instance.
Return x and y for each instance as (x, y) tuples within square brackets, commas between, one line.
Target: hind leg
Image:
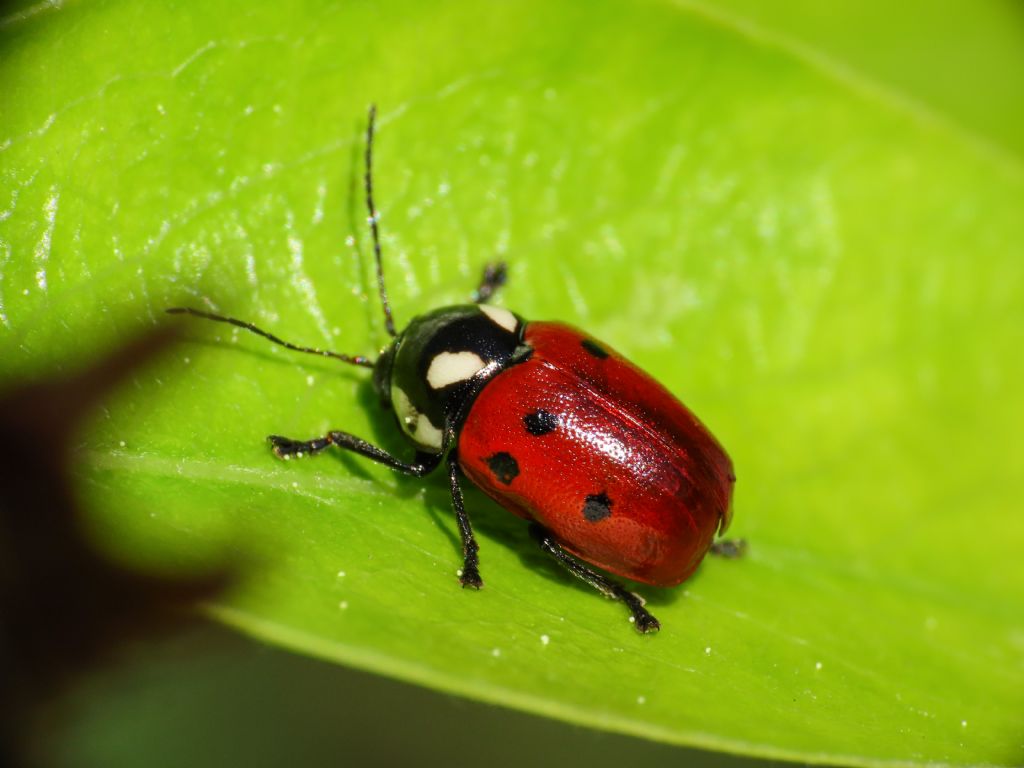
[(641, 618)]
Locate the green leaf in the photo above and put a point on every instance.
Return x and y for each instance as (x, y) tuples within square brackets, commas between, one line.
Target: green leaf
[(829, 274), (965, 64)]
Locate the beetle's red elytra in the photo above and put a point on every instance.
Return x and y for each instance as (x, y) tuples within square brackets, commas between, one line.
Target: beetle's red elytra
[(610, 468)]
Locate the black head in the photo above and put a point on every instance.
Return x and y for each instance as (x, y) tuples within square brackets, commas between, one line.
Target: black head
[(433, 370)]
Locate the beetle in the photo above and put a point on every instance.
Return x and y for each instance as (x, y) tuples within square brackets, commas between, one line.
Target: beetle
[(558, 428)]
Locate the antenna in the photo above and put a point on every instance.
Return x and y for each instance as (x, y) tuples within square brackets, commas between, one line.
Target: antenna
[(389, 322), (365, 362)]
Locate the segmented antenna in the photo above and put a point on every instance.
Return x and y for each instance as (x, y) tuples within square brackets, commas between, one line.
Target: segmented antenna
[(389, 322), (365, 362)]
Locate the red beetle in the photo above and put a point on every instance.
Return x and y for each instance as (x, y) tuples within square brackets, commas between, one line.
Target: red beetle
[(553, 425)]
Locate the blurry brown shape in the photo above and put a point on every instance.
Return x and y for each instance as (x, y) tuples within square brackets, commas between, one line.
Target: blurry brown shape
[(64, 607)]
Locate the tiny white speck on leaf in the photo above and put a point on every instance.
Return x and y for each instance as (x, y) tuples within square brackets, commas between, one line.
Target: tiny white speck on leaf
[(707, 651), (188, 360), (25, 292), (343, 605), (496, 652), (295, 484), (310, 380), (641, 699), (632, 620), (963, 723), (350, 241), (544, 639), (341, 574), (817, 665), (459, 573)]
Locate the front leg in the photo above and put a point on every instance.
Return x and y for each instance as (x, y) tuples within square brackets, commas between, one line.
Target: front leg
[(469, 576), (286, 448)]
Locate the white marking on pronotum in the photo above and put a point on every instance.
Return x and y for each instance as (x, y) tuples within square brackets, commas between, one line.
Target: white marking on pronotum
[(427, 434), (407, 414), (451, 367), (501, 317), (415, 424)]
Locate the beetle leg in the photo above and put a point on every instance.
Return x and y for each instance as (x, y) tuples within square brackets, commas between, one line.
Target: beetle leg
[(493, 278), (730, 549), (643, 620), (285, 448), (470, 574)]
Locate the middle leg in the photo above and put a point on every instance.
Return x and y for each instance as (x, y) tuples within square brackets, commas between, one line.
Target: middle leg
[(470, 574), (495, 275)]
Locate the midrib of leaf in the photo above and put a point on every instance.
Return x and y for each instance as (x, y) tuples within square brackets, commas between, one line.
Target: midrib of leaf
[(195, 469), (994, 153)]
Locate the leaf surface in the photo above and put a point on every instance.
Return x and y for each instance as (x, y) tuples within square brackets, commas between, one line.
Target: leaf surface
[(830, 277)]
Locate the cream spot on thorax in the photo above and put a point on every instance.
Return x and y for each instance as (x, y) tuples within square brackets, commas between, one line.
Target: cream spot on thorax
[(501, 317), (452, 367)]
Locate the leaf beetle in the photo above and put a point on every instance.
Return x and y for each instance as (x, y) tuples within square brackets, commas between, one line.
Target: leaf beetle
[(609, 467)]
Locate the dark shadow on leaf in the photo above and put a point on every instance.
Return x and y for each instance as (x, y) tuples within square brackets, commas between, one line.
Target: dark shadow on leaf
[(64, 606)]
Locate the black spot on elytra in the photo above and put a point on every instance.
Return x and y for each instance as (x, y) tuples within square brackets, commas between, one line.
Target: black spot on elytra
[(595, 349), (504, 467), (597, 507), (540, 422)]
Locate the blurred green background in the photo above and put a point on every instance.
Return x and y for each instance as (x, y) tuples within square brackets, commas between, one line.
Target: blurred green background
[(210, 698), (804, 217)]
